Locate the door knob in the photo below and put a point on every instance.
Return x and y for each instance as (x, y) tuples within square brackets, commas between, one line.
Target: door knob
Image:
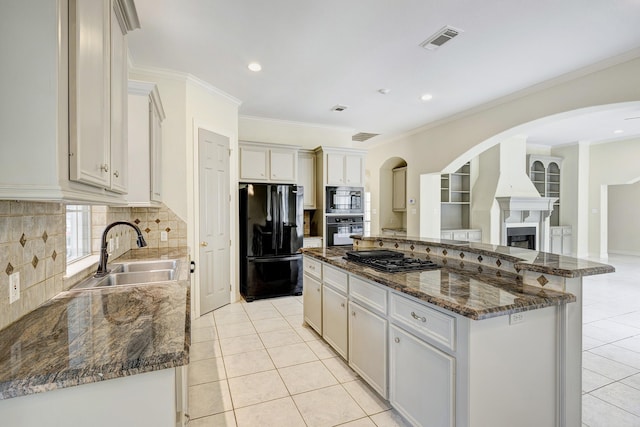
[(204, 244)]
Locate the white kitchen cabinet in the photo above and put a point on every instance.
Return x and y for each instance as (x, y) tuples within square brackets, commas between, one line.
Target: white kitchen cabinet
[(560, 240), (71, 73), (312, 242), (467, 235), (421, 380), (334, 319), (399, 199), (307, 177), (268, 163), (368, 346), (145, 144), (342, 167), (312, 293)]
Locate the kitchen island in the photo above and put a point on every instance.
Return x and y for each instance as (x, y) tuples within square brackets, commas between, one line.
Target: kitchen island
[(104, 356), (492, 337)]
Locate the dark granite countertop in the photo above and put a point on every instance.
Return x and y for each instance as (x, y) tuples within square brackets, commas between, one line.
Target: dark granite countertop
[(468, 291), (523, 259), (91, 335)]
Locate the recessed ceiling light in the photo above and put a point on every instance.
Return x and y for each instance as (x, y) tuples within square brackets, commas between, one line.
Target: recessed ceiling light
[(618, 131), (384, 91), (254, 66), (426, 97)]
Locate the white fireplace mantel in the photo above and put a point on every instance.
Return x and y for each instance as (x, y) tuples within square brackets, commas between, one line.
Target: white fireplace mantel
[(526, 211)]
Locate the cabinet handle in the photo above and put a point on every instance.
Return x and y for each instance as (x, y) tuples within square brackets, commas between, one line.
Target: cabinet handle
[(415, 316), (203, 244), (116, 174), (397, 340), (318, 289), (342, 305), (353, 313), (104, 167)]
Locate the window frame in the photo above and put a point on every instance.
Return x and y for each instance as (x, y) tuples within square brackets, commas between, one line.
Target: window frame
[(78, 232)]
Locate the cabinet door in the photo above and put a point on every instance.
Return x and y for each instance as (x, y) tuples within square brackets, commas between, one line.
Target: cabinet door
[(334, 319), (254, 163), (283, 165), (335, 169), (354, 170), (155, 139), (89, 92), (119, 141), (368, 346), (421, 381), (399, 202), (312, 302), (307, 178)]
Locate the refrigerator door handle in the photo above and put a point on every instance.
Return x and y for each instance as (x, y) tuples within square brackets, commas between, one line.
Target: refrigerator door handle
[(275, 259)]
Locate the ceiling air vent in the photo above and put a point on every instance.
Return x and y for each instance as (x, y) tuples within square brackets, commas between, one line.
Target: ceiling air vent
[(339, 108), (441, 37), (363, 136)]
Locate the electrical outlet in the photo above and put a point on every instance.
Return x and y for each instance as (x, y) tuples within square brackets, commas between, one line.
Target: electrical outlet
[(164, 236), (516, 318), (14, 287)]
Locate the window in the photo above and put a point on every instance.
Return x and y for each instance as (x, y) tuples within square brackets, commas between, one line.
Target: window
[(78, 232)]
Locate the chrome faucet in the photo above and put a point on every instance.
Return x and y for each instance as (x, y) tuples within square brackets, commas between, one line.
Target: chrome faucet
[(104, 255)]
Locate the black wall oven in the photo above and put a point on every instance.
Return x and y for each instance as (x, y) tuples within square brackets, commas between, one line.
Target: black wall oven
[(345, 200), (339, 228)]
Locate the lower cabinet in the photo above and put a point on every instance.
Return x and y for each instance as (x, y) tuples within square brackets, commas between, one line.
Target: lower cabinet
[(368, 346), (312, 300), (421, 380), (560, 240), (334, 320)]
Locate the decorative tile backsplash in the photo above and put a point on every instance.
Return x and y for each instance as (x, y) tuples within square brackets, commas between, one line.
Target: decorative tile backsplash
[(33, 243)]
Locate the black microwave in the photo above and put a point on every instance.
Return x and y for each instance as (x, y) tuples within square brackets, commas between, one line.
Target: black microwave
[(345, 200)]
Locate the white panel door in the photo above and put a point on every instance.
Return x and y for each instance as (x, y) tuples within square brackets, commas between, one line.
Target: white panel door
[(335, 320), (312, 302), (254, 163), (283, 165), (335, 169), (119, 98), (353, 170), (215, 284)]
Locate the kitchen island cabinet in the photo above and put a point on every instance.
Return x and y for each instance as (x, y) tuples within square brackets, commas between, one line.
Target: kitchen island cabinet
[(474, 342)]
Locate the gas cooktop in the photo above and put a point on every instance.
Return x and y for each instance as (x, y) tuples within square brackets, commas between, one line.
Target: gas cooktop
[(389, 261)]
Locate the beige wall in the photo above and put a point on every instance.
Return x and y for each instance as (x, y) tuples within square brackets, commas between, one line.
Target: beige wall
[(624, 221), (445, 146)]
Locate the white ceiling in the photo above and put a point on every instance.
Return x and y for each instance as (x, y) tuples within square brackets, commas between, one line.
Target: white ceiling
[(316, 54)]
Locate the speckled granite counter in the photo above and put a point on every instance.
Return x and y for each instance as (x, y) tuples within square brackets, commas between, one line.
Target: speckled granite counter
[(521, 259), (92, 335), (466, 290)]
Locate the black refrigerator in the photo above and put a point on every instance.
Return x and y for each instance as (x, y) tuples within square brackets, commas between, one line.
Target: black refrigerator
[(271, 232)]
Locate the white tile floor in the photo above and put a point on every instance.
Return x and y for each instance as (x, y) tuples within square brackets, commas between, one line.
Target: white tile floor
[(611, 344), (257, 365)]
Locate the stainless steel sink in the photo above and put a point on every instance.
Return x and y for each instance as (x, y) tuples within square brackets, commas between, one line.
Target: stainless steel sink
[(164, 264), (134, 273)]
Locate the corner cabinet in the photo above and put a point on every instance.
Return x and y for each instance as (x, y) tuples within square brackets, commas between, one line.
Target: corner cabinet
[(268, 163), (544, 172), (307, 177), (399, 201), (145, 144), (76, 149)]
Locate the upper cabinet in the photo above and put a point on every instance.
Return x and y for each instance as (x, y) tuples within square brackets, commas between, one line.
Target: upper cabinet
[(342, 167), (268, 163), (145, 144), (544, 172), (307, 177), (66, 105), (399, 200)]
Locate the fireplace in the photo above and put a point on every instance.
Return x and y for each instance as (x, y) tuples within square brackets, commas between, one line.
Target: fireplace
[(522, 237)]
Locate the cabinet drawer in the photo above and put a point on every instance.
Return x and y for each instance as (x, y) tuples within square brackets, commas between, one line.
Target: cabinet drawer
[(460, 235), (566, 231), (312, 267), (336, 278), (369, 294), (446, 235), (423, 320), (556, 231)]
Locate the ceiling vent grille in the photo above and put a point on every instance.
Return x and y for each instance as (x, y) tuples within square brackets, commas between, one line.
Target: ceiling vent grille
[(441, 37), (363, 136), (339, 108)]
